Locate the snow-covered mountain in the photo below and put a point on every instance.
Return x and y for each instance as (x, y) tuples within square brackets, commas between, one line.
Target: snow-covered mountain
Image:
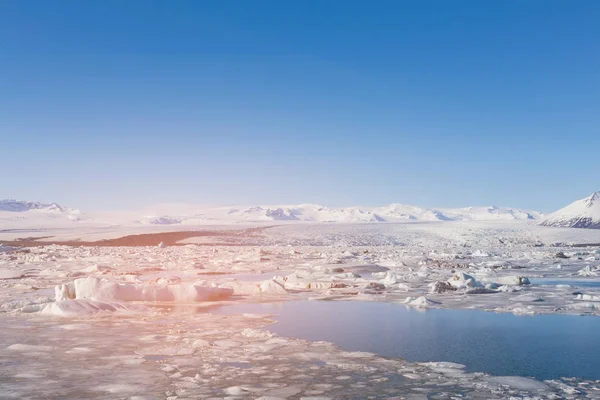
[(395, 212), (24, 206), (20, 214), (584, 213), (318, 213), (303, 212)]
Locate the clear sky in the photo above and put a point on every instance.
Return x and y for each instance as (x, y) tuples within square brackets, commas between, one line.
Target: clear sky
[(120, 103)]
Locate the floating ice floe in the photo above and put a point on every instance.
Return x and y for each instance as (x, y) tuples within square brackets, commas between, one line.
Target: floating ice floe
[(528, 310), (519, 382), (479, 253), (268, 287), (390, 278), (271, 287), (420, 302), (294, 282), (588, 271), (347, 275), (480, 290), (529, 297), (513, 280), (586, 305), (509, 289), (463, 281), (92, 288), (80, 307), (587, 297), (441, 287)]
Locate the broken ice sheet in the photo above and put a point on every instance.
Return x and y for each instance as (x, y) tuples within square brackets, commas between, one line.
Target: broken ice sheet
[(167, 352)]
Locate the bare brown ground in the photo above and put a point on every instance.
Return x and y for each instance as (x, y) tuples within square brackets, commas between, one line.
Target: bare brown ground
[(145, 239)]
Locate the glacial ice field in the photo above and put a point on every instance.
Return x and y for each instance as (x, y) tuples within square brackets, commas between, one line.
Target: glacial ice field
[(309, 311)]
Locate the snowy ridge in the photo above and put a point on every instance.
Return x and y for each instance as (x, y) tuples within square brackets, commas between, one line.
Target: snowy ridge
[(317, 213), (304, 212), (584, 213), (19, 214), (25, 213), (396, 212), (24, 206)]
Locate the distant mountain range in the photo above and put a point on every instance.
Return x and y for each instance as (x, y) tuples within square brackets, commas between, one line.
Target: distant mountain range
[(23, 206), (15, 213), (584, 213), (191, 214)]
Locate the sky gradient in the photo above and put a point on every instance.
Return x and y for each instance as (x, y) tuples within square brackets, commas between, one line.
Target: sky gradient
[(122, 104)]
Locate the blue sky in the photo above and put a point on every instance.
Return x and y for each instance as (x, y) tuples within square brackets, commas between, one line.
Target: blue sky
[(123, 103)]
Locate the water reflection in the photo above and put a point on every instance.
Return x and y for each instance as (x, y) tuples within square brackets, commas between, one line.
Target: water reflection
[(566, 281), (542, 346)]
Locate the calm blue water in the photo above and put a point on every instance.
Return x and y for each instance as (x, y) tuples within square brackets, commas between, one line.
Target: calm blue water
[(566, 281), (542, 346)]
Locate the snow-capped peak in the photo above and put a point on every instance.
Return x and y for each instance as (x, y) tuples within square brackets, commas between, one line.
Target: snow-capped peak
[(23, 206), (584, 213), (591, 200), (18, 213)]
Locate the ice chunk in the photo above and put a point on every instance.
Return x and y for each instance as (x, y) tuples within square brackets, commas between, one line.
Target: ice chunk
[(518, 382), (390, 278), (463, 281), (530, 297), (479, 290), (509, 289), (420, 302), (242, 288), (587, 297), (235, 391), (81, 307), (64, 292), (588, 271), (271, 287), (513, 280), (347, 275), (441, 287), (584, 306), (291, 278), (92, 288)]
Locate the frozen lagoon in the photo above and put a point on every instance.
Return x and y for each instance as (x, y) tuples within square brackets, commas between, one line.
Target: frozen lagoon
[(541, 346), (141, 352), (216, 355)]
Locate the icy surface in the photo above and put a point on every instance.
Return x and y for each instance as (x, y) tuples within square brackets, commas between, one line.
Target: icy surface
[(124, 338)]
